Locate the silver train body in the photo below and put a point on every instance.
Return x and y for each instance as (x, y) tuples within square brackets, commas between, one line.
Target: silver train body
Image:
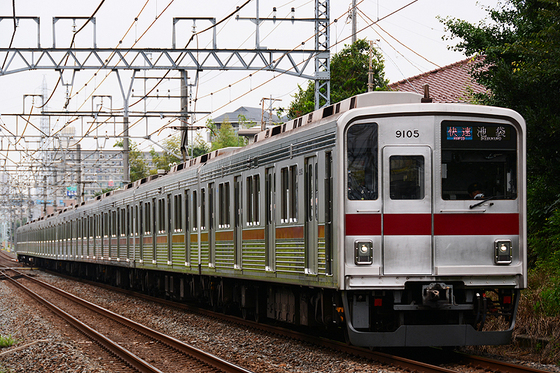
[(400, 222)]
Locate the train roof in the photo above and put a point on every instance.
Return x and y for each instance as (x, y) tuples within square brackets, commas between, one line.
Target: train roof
[(378, 98)]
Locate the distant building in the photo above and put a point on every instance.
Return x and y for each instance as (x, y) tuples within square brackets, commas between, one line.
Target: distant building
[(250, 115), (451, 83)]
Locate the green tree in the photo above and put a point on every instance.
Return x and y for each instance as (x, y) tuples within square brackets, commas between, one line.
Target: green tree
[(200, 147), (164, 160), (520, 49), (349, 77), (138, 166), (224, 136)]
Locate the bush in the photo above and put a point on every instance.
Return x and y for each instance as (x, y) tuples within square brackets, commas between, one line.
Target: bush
[(7, 341), (548, 302)]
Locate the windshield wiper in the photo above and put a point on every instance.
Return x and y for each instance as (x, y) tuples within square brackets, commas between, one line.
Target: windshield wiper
[(483, 201)]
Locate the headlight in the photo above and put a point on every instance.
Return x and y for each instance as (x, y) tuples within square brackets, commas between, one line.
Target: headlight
[(363, 252), (502, 252)]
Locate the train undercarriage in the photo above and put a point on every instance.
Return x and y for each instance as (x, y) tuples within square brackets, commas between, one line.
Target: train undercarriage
[(448, 314)]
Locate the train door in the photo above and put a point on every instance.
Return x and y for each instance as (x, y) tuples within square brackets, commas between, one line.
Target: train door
[(311, 209), (407, 210), (270, 228), (238, 222)]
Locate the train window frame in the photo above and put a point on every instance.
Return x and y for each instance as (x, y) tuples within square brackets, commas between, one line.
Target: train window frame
[(479, 156), (224, 205), (178, 213), (147, 218), (253, 188), (288, 194), (293, 213), (409, 182), (284, 185), (114, 225), (161, 216), (202, 208), (194, 210), (123, 221), (362, 181)]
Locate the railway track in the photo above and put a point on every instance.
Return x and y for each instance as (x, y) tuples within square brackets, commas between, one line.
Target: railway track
[(143, 349), (396, 358), (8, 261)]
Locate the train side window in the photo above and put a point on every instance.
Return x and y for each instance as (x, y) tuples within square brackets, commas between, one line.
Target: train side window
[(288, 194), (124, 222), (202, 208), (253, 197), (105, 225), (114, 223), (293, 214), (147, 217), (195, 210), (161, 215), (407, 177), (178, 209), (249, 200), (224, 203), (284, 194), (362, 161)]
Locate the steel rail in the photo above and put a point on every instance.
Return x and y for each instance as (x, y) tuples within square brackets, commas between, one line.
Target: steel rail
[(202, 356), (381, 357), (495, 365), (122, 353)]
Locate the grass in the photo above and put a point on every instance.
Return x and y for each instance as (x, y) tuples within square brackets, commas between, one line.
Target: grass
[(7, 341), (538, 318)]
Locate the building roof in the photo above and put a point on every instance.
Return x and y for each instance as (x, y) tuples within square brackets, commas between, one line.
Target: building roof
[(251, 115), (451, 83)]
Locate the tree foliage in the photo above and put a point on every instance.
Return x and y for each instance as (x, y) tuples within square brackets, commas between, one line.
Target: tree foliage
[(138, 167), (224, 136), (199, 147), (349, 77), (520, 66), (169, 157)]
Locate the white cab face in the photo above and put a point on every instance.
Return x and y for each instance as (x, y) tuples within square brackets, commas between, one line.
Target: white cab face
[(437, 195)]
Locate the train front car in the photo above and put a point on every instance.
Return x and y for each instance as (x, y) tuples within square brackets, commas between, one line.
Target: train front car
[(435, 235)]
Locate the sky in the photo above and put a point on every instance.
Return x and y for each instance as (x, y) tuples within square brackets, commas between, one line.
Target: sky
[(409, 36)]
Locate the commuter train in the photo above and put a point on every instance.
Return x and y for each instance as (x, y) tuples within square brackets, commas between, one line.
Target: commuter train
[(398, 221)]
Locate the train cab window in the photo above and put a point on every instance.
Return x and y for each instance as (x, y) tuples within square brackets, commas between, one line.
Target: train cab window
[(478, 161), (361, 158), (407, 177)]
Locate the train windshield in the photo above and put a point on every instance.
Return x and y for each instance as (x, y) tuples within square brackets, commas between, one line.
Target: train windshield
[(478, 160), (362, 156)]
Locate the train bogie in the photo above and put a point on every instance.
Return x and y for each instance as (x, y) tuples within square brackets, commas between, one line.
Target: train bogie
[(401, 221)]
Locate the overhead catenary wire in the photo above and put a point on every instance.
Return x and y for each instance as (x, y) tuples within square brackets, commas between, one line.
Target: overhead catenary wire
[(269, 80), (397, 40)]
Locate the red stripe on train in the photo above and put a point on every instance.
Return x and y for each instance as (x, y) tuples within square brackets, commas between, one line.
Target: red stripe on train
[(476, 224), (407, 224), (421, 224), (363, 224)]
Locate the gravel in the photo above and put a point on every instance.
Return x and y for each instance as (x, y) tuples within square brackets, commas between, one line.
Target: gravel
[(41, 346), (44, 347)]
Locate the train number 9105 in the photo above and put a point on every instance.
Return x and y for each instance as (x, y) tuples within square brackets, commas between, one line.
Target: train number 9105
[(407, 134)]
